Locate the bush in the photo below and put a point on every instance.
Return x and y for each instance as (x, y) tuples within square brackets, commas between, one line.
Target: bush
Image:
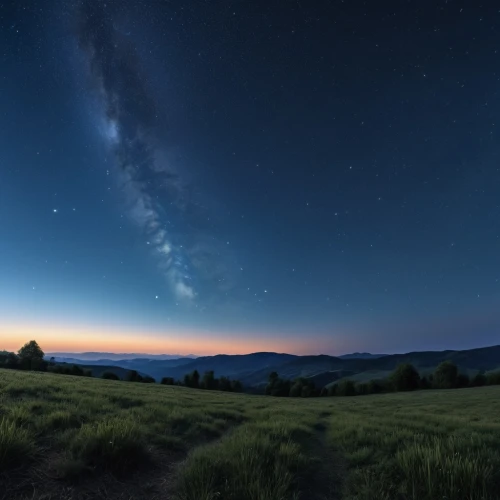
[(167, 381), (133, 376), (110, 376), (116, 445), (493, 378), (405, 378), (478, 380)]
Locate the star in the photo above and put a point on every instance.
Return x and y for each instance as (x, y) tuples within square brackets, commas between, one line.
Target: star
[(55, 210)]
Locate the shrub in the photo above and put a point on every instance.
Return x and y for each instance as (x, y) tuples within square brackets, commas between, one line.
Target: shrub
[(110, 376), (167, 381), (405, 378), (133, 376), (478, 380), (493, 378)]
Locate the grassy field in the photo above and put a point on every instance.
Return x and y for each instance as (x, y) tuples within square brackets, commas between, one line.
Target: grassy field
[(64, 437)]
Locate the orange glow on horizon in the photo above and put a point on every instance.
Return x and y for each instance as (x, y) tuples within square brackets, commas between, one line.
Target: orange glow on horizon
[(84, 339)]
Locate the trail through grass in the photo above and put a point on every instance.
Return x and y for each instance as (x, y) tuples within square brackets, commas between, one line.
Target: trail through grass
[(80, 438)]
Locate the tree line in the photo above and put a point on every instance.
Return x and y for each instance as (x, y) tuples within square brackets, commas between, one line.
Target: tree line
[(404, 378), (32, 357), (208, 382)]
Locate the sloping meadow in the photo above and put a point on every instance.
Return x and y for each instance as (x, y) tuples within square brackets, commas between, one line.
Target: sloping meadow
[(71, 437)]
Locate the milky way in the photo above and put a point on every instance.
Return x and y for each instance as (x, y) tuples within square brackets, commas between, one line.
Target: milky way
[(130, 113)]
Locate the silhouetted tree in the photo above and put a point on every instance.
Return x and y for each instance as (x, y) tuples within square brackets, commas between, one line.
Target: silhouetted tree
[(277, 386), (346, 388), (375, 387), (224, 384), (167, 381), (133, 376), (446, 375), (478, 380), (110, 376), (493, 378), (192, 379), (148, 380), (236, 386), (425, 383), (12, 360), (405, 378), (332, 390), (31, 356), (209, 381), (463, 380)]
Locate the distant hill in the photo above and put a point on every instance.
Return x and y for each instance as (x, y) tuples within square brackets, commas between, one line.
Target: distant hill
[(253, 369), (153, 367), (95, 356), (361, 355), (97, 371)]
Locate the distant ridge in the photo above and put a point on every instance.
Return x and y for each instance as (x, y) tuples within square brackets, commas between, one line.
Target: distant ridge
[(94, 356), (253, 369), (362, 355)]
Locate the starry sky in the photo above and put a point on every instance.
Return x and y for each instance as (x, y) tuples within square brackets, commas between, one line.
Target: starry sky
[(232, 176)]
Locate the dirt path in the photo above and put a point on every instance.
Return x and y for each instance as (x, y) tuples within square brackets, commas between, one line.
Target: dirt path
[(326, 481), (154, 480)]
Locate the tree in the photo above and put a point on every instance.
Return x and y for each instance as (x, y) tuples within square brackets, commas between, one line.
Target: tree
[(493, 378), (375, 387), (31, 356), (133, 376), (12, 360), (478, 380), (209, 381), (110, 376), (236, 386), (405, 378), (446, 375), (277, 386), (148, 380), (192, 379), (463, 380), (167, 381), (224, 384), (346, 388)]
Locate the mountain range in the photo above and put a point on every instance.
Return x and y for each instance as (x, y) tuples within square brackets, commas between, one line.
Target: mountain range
[(253, 369), (96, 356)]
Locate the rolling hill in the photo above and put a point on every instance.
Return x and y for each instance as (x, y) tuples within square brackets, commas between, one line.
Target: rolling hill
[(253, 369)]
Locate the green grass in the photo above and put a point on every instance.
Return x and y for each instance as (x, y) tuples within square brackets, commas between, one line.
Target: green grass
[(424, 445), (73, 437), (16, 444)]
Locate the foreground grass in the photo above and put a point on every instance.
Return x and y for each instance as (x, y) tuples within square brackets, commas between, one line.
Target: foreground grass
[(95, 438), (425, 445)]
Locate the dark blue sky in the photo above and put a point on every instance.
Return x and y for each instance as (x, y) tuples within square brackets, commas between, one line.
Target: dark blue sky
[(241, 176)]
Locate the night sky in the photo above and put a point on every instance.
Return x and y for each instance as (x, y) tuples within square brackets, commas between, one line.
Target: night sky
[(235, 176)]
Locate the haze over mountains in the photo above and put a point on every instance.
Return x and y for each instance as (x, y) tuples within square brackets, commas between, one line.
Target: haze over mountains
[(253, 369), (94, 356)]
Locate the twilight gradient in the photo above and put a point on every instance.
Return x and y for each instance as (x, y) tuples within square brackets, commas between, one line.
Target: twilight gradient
[(210, 177)]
